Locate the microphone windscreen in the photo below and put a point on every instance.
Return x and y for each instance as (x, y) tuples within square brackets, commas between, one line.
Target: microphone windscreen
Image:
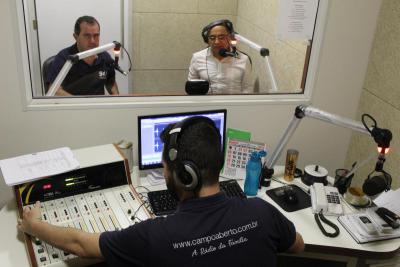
[(222, 52), (374, 185)]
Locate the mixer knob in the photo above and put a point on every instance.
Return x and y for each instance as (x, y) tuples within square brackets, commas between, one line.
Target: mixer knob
[(37, 241)]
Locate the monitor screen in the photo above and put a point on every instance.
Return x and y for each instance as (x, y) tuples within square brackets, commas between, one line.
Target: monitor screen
[(150, 146)]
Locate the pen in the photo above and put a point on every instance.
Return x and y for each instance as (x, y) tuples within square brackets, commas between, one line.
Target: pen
[(352, 170)]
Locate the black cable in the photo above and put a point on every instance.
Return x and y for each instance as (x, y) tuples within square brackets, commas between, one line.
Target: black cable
[(251, 62), (388, 180), (129, 57), (318, 216), (208, 75), (365, 124)]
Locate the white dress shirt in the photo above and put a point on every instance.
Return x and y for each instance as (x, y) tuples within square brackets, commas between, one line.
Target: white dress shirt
[(231, 75)]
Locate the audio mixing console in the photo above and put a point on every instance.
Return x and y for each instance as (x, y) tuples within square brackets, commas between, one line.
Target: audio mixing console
[(94, 199)]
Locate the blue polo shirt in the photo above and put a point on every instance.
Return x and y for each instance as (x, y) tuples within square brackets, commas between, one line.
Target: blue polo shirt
[(210, 231), (84, 79)]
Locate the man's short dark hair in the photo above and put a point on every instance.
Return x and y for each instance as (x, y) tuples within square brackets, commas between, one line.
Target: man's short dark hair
[(87, 19), (201, 144)]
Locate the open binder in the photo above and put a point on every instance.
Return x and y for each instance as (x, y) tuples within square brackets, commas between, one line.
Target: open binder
[(367, 227)]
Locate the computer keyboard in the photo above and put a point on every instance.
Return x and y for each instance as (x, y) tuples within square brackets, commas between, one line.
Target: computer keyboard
[(162, 202), (232, 188)]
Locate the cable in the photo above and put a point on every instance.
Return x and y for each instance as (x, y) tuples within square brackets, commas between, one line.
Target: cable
[(141, 186), (137, 210), (318, 216), (208, 75), (129, 57), (277, 180), (251, 62), (365, 124)]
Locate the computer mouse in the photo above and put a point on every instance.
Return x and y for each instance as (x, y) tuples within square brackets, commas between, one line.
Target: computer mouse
[(289, 196)]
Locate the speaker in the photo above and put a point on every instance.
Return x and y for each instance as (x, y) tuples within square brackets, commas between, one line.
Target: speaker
[(185, 172), (223, 22), (376, 184)]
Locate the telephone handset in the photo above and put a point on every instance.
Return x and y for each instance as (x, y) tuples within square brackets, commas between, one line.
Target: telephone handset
[(325, 199)]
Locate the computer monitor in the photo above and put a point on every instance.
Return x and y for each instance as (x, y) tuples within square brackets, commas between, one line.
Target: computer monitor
[(150, 146)]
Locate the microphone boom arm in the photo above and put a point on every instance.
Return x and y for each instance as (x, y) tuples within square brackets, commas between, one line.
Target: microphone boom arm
[(301, 112), (75, 58), (264, 52)]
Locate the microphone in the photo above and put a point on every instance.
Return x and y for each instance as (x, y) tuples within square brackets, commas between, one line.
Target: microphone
[(225, 53), (117, 52)]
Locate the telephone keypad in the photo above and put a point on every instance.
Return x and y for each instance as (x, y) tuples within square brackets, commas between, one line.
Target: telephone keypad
[(333, 197)]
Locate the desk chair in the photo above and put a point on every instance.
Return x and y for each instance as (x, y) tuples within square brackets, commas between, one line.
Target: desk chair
[(45, 72)]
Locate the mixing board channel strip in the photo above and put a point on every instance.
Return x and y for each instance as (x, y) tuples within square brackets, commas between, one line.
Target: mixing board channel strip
[(104, 210)]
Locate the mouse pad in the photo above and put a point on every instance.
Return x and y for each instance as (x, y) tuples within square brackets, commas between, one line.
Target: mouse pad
[(303, 199)]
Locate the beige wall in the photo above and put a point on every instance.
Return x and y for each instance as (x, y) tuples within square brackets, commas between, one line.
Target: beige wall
[(338, 86), (257, 20), (165, 35), (381, 94)]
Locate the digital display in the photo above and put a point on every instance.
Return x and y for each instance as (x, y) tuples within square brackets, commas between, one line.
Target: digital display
[(75, 181)]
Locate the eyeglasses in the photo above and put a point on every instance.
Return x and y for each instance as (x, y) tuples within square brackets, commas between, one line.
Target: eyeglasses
[(221, 37)]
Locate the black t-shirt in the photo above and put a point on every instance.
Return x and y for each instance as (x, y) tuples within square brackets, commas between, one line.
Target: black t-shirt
[(210, 231), (84, 79)]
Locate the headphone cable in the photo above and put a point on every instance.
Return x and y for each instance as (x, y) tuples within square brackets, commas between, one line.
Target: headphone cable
[(208, 75)]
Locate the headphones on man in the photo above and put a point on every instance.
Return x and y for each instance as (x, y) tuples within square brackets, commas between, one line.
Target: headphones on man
[(185, 172), (223, 22)]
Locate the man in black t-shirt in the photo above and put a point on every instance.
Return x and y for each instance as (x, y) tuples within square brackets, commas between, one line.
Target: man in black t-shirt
[(208, 228), (91, 75)]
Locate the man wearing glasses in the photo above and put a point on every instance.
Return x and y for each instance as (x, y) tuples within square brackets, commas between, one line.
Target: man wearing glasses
[(91, 75), (227, 70)]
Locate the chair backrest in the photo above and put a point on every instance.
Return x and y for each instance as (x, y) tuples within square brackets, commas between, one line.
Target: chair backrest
[(45, 72)]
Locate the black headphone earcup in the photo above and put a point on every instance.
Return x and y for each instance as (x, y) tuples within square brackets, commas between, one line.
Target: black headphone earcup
[(186, 176), (204, 34), (375, 185)]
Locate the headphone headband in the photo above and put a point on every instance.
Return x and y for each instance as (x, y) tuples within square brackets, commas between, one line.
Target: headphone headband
[(223, 22), (177, 130), (185, 172)]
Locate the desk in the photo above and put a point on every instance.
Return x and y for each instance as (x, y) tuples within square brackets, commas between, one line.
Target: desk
[(315, 241), (13, 252)]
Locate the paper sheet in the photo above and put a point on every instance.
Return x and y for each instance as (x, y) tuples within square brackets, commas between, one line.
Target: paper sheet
[(389, 200), (296, 19), (155, 178), (34, 166)]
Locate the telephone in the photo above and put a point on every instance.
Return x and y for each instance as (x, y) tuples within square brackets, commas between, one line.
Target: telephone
[(325, 198)]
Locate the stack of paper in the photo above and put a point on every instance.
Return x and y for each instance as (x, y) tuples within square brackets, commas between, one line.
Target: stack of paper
[(362, 233), (35, 166), (155, 178)]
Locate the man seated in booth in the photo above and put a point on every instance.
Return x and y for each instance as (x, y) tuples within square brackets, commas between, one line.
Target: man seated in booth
[(207, 229), (91, 75), (227, 70)]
